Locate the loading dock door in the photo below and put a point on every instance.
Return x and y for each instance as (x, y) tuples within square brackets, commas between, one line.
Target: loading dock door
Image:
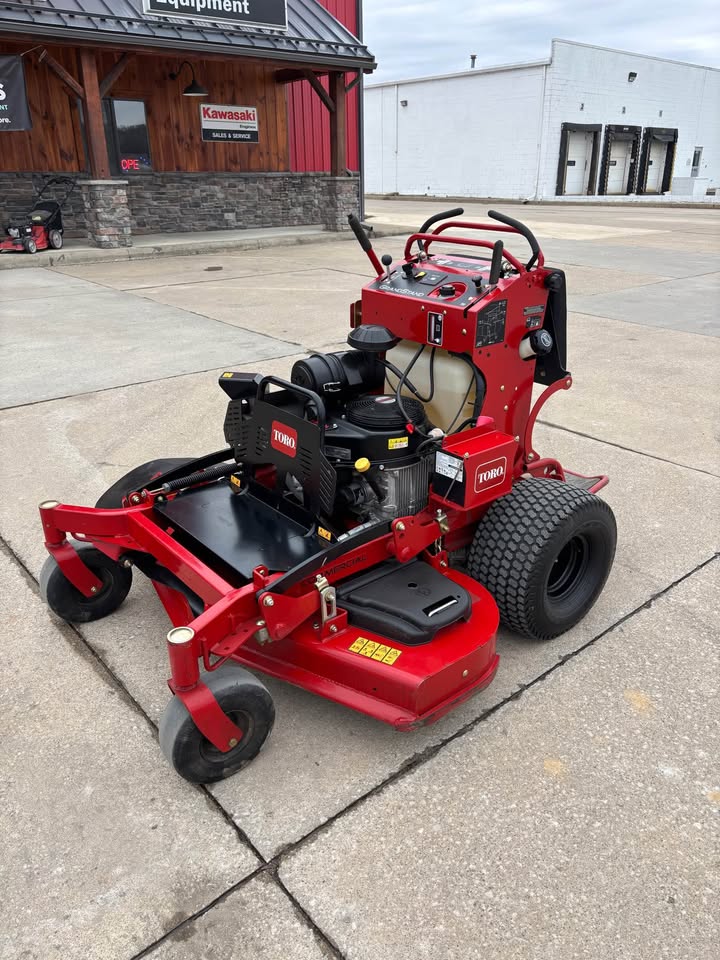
[(618, 167), (618, 173), (580, 148), (657, 159), (578, 160), (656, 166)]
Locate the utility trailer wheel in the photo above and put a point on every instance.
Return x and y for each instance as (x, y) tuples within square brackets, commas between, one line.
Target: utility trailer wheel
[(544, 552), (138, 478), (249, 705), (69, 603), (55, 239)]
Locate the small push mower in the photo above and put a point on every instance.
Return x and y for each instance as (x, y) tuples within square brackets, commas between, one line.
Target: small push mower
[(370, 521), (42, 229)]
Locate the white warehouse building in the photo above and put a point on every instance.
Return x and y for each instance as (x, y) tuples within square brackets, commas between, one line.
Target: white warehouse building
[(587, 122)]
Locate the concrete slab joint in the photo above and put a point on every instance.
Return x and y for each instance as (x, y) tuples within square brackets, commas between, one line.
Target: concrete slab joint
[(107, 213)]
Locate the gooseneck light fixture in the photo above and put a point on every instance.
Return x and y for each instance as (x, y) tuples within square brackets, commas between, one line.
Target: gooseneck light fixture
[(193, 89)]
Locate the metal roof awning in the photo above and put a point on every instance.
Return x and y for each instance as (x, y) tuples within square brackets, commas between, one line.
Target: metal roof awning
[(313, 35)]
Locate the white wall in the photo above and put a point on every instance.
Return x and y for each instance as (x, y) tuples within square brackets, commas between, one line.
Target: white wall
[(495, 133), (688, 96), (474, 134)]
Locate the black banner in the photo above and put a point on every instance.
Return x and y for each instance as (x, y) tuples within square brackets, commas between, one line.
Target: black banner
[(248, 13), (14, 110)]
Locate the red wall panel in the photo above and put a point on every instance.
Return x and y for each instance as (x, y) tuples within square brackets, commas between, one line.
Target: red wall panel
[(309, 122)]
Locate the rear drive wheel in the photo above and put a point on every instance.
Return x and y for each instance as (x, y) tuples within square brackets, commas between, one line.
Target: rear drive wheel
[(544, 552), (69, 603), (55, 239), (245, 700), (137, 479), (29, 245)]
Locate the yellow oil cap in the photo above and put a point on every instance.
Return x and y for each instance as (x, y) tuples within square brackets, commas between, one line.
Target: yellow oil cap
[(362, 465)]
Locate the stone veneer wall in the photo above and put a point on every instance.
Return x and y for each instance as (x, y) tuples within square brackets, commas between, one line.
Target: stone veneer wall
[(179, 202), (186, 202)]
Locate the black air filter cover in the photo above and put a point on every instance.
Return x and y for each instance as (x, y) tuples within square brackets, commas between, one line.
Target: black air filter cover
[(384, 413)]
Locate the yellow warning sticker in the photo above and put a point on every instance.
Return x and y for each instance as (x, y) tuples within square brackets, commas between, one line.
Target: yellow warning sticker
[(226, 376), (235, 481), (375, 651), (398, 443), (325, 534)]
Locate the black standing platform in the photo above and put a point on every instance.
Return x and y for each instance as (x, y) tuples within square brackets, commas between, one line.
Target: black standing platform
[(242, 531)]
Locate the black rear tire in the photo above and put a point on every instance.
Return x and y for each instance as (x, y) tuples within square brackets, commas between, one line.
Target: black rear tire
[(69, 603), (544, 552), (138, 478), (249, 705)]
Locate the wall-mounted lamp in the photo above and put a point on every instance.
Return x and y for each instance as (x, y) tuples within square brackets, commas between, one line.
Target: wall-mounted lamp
[(632, 77), (403, 103), (193, 89)]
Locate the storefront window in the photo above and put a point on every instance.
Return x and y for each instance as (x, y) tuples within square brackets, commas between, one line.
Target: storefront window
[(127, 136)]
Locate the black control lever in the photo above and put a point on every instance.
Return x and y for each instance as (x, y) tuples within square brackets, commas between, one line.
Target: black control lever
[(521, 229), (496, 262), (364, 241)]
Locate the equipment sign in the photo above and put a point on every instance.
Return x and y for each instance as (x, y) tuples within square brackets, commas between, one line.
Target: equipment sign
[(254, 13), (229, 124), (14, 112)]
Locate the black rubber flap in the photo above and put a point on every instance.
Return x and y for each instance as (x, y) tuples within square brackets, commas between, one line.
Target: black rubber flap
[(408, 602)]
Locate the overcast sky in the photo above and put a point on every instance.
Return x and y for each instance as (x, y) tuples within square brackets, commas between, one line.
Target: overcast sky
[(423, 37)]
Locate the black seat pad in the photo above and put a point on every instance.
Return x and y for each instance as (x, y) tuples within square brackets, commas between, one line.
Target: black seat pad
[(407, 602)]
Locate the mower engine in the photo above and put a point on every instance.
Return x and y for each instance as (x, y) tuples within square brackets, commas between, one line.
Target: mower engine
[(383, 471)]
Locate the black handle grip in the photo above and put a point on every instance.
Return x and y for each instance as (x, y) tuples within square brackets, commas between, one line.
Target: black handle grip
[(522, 229), (496, 263), (309, 395), (446, 215), (357, 228)]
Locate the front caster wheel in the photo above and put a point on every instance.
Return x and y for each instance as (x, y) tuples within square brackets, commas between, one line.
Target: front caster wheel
[(69, 603), (245, 700)]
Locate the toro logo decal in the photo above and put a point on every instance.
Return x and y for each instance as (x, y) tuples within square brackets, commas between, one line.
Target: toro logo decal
[(490, 474), (283, 438)]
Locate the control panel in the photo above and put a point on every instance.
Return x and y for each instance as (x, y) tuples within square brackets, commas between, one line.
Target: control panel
[(441, 279)]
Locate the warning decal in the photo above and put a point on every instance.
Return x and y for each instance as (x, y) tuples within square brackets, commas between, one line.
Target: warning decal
[(375, 651)]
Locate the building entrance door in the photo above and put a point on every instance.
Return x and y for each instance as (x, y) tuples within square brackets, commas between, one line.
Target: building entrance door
[(619, 166), (656, 166)]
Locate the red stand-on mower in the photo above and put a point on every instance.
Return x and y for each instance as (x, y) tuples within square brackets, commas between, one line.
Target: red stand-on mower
[(42, 229), (371, 520)]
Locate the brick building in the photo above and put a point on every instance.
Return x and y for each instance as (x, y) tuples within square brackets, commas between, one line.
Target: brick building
[(192, 115), (586, 122)]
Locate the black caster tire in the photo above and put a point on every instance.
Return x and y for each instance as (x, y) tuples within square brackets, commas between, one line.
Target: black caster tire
[(69, 604), (55, 239), (544, 552), (249, 705), (136, 479), (30, 246)]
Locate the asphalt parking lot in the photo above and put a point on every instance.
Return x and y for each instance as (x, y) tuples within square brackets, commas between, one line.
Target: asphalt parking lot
[(569, 810)]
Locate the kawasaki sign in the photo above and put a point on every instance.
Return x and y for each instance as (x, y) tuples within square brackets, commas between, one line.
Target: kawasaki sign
[(14, 112), (245, 13), (227, 124)]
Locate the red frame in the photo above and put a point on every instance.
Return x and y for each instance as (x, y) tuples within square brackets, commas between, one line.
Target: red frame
[(290, 633)]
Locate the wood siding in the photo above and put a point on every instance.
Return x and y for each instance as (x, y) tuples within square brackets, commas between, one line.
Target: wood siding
[(55, 142)]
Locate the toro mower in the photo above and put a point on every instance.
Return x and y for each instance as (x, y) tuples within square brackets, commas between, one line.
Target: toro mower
[(42, 228), (371, 520)]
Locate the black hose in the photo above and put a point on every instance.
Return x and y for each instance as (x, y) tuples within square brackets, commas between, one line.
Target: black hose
[(479, 383)]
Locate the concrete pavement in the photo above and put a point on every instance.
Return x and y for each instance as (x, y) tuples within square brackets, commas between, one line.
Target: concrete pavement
[(567, 810)]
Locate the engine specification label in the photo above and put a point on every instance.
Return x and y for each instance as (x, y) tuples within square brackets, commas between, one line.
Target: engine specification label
[(447, 466)]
